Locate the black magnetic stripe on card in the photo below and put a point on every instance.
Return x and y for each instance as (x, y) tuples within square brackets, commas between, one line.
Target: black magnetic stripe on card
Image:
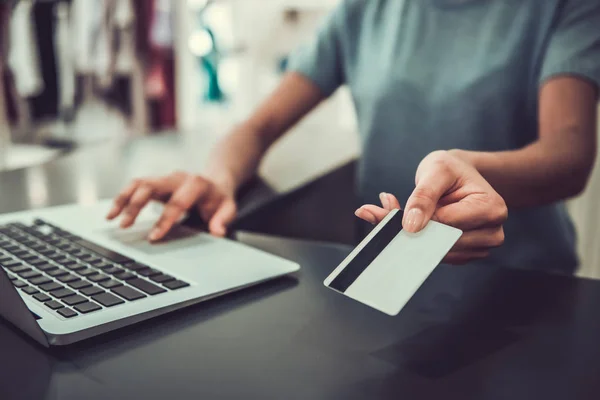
[(366, 256)]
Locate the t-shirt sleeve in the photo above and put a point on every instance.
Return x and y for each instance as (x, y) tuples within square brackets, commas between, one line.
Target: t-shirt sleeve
[(574, 47), (320, 59)]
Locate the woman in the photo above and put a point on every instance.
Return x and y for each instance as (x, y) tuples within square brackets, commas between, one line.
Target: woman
[(510, 85)]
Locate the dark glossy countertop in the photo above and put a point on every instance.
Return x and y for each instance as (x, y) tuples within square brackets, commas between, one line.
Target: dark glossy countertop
[(468, 333)]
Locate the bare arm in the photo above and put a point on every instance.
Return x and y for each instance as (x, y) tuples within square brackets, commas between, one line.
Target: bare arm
[(236, 158), (558, 164)]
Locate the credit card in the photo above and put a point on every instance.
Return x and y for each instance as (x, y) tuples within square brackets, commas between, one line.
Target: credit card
[(387, 268)]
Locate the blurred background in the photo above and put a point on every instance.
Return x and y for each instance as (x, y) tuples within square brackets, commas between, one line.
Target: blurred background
[(82, 73)]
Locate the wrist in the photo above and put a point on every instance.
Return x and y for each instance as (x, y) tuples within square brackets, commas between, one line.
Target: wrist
[(227, 183), (224, 180), (469, 157)]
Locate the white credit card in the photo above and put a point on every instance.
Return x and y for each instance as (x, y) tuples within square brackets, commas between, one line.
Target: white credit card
[(387, 268)]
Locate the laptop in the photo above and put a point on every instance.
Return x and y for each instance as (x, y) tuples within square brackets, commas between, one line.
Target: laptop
[(68, 274)]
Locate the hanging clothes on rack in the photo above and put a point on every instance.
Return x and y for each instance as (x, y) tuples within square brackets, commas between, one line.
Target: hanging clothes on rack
[(113, 54), (155, 42), (45, 104), (65, 62), (23, 59)]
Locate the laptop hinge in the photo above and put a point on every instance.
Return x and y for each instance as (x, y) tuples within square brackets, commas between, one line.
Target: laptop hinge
[(15, 311)]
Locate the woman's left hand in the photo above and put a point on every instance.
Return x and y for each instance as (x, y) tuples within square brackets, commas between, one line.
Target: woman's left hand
[(450, 191)]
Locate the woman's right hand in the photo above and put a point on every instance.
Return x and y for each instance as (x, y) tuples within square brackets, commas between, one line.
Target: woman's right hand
[(179, 192)]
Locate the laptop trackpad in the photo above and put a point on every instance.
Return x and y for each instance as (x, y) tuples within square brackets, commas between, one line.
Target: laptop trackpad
[(178, 239)]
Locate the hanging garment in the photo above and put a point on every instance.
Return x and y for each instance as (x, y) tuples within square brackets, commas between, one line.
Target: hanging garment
[(45, 104), (160, 80), (85, 23), (23, 59), (123, 25), (66, 67)]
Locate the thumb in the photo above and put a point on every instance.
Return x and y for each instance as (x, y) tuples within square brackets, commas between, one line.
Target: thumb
[(434, 181), (224, 215)]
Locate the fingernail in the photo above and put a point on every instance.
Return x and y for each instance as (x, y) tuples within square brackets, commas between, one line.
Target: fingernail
[(385, 202), (154, 234), (414, 220), (366, 215)]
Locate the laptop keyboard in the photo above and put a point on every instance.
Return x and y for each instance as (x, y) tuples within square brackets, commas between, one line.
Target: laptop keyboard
[(71, 275)]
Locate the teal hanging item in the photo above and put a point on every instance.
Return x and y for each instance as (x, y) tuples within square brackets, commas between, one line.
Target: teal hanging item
[(210, 65)]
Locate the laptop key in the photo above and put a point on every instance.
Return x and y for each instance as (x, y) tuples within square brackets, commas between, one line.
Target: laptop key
[(113, 270), (19, 268), (104, 252), (110, 284), (87, 307), (148, 272), (146, 286), (103, 265), (76, 266), (68, 278), (59, 259), (62, 293), (162, 278), (53, 304), (19, 283), (98, 278), (67, 312), (86, 257), (95, 260), (91, 291), (39, 280), (30, 290), (30, 257), (46, 267), (48, 287), (79, 284), (136, 266), (177, 284), (107, 299), (128, 293), (38, 261), (11, 277), (29, 274), (124, 276), (87, 272), (12, 264), (74, 300), (57, 272), (41, 297)]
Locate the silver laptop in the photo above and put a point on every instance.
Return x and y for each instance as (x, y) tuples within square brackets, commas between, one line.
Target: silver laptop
[(67, 274)]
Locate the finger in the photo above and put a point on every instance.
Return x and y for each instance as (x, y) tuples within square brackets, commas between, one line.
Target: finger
[(477, 211), (209, 204), (181, 201), (224, 215), (389, 201), (434, 180), (138, 200), (123, 199), (464, 257), (479, 239), (371, 213)]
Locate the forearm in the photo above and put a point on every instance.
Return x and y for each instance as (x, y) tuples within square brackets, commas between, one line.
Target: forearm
[(235, 159), (538, 174)]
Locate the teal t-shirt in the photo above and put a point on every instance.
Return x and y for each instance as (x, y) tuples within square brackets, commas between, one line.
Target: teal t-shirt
[(427, 75)]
